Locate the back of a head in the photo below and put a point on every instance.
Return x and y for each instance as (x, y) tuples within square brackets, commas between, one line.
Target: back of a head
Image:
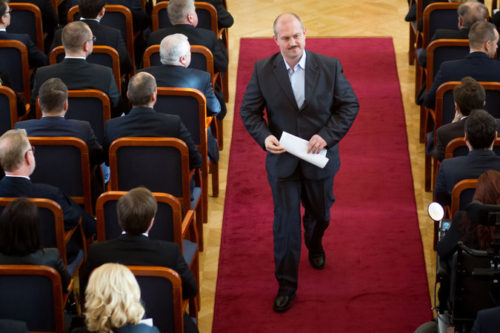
[(173, 47), (74, 35), (472, 12), (13, 146), (20, 228), (53, 94), (179, 9), (112, 298), (488, 188), (4, 4), (469, 95), (90, 8), (480, 128), (481, 32), (135, 210), (140, 88)]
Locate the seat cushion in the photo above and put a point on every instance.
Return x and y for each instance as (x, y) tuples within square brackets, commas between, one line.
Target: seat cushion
[(189, 250)]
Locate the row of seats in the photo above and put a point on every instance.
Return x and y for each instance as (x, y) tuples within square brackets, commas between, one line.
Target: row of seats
[(180, 218)]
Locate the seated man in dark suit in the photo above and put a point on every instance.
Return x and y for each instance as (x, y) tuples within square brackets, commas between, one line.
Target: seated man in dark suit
[(487, 320), (75, 71), (182, 15), (479, 64), (136, 211), (144, 121), (468, 96), (18, 161), (50, 20), (468, 13), (91, 12), (53, 96), (480, 134), (35, 57), (175, 56), (224, 18)]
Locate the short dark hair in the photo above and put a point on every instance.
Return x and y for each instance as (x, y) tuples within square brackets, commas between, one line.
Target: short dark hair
[(3, 7), (53, 94), (140, 87), (20, 228), (135, 210), (480, 128), (480, 33), (91, 8), (469, 95)]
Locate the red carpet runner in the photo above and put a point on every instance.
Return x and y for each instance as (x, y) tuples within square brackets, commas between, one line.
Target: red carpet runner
[(375, 279)]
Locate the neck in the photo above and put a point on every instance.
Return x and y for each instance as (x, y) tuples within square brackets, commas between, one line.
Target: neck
[(75, 54), (53, 114), (477, 50)]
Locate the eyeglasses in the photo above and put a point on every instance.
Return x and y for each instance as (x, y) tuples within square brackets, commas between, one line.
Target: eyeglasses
[(93, 39), (7, 12)]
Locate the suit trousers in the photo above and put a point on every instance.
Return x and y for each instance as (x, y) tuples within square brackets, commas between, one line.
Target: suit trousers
[(317, 198)]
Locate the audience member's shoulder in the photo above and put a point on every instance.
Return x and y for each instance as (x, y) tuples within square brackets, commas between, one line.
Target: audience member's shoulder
[(45, 190), (25, 123)]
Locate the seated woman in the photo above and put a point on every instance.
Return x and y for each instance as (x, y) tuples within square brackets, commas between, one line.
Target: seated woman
[(475, 236), (20, 239), (113, 302)]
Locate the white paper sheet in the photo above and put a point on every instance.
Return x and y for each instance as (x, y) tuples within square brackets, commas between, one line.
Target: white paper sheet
[(298, 147)]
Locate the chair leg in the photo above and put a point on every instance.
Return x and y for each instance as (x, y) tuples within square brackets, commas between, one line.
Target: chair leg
[(411, 49), (220, 134), (214, 169), (199, 225), (428, 172), (422, 123)]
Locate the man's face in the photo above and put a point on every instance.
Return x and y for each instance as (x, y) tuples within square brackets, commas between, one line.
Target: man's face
[(493, 45), (6, 17), (290, 37)]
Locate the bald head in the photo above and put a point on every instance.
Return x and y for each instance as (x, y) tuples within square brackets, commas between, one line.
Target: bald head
[(141, 90), (76, 37), (286, 18), (471, 12)]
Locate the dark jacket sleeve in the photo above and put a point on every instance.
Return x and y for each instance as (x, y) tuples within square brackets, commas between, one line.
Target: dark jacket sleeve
[(189, 286), (194, 155), (95, 149), (58, 265), (448, 245), (35, 57), (220, 55)]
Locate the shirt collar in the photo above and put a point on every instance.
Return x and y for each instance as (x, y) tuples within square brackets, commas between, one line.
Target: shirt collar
[(301, 64), (145, 234), (69, 57), (89, 19), (17, 176), (3, 30)]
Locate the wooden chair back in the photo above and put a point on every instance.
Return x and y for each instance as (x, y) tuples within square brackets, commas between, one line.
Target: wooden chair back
[(72, 176), (8, 109), (32, 294), (439, 15), (14, 55), (26, 18), (161, 291), (462, 194)]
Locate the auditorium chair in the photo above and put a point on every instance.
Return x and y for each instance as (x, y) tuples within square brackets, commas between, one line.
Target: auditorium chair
[(439, 51), (161, 292), (190, 106), (461, 195), (71, 176), (26, 18), (101, 55), (116, 16), (32, 294), (52, 231), (14, 55), (161, 165), (8, 109), (169, 225)]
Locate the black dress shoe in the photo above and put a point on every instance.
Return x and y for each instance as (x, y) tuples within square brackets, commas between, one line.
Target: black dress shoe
[(283, 302), (317, 260)]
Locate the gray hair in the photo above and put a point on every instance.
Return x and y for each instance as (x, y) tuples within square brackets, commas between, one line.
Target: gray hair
[(173, 47), (471, 12), (179, 9)]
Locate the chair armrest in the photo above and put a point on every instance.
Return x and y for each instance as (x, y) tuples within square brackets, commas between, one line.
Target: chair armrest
[(79, 229), (188, 227)]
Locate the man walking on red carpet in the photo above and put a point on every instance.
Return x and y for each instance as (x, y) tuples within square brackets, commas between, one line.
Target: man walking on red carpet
[(307, 95)]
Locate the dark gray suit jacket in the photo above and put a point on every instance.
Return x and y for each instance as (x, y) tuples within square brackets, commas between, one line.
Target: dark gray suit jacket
[(471, 166), (329, 110), (141, 251)]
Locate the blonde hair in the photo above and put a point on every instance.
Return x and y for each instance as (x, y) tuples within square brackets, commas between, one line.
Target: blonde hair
[(112, 299)]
